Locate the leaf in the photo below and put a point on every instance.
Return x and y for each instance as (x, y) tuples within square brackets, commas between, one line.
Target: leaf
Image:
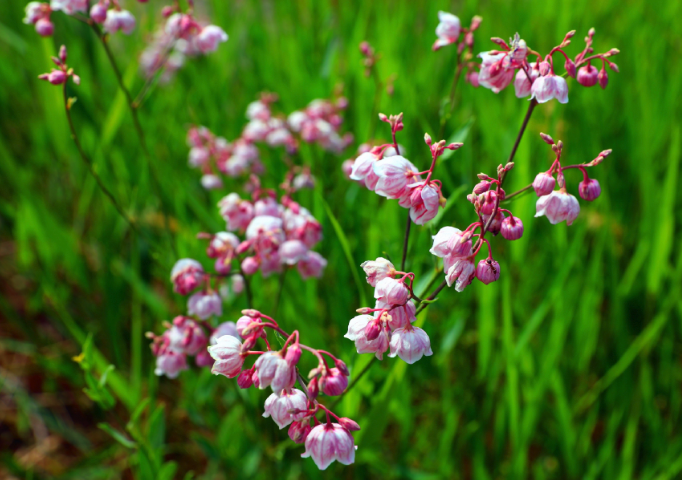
[(116, 435)]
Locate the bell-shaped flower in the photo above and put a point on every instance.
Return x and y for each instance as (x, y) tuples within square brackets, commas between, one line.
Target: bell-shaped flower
[(395, 174), (275, 371), (448, 29), (391, 291), (225, 328), (461, 272), (170, 363), (281, 406), (119, 20), (333, 382), (410, 344), (203, 305), (209, 38), (557, 207), (494, 73), (186, 275), (548, 87), (363, 170), (524, 81), (328, 442), (237, 213), (227, 355), (424, 203), (356, 333), (311, 265), (512, 228), (292, 251), (589, 189), (543, 184), (488, 271), (377, 270)]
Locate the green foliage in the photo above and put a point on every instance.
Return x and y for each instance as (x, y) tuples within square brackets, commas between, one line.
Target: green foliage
[(568, 367)]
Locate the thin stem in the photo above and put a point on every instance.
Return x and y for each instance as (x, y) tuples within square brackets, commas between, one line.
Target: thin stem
[(406, 241), (247, 290), (432, 296), (518, 192), (88, 162)]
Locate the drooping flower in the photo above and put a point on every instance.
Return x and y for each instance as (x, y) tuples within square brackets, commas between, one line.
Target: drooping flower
[(461, 270), (363, 170), (494, 73), (589, 189), (524, 80), (119, 20), (275, 371), (311, 265), (391, 291), (328, 442), (225, 328), (424, 203), (377, 270), (557, 207), (279, 406), (203, 305), (588, 75), (334, 382), (512, 228), (227, 355), (170, 364), (550, 86), (356, 333), (209, 38), (395, 174), (237, 212), (488, 271), (187, 275), (410, 344), (292, 251), (543, 184), (448, 29)]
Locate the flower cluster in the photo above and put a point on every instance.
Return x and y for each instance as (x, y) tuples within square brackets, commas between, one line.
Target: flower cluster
[(106, 12), (539, 79), (318, 123), (389, 324), (277, 234), (62, 73), (449, 31), (324, 441), (180, 36), (559, 205), (396, 178)]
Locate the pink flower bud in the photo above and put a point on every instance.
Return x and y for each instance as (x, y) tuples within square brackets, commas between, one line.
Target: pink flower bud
[(424, 202), (57, 77), (356, 333), (203, 305), (472, 78), (44, 27), (245, 378), (589, 189), (373, 330), (311, 265), (481, 187), (209, 38), (543, 184), (328, 442), (410, 344), (293, 354), (496, 224), (557, 207), (603, 78), (392, 291), (488, 271), (187, 275), (119, 20), (349, 424), (275, 372), (291, 251), (286, 406), (489, 201), (250, 265), (98, 12), (227, 355), (570, 68), (494, 73), (512, 228), (203, 359), (298, 431), (333, 383), (588, 75), (341, 365), (460, 271), (547, 139), (313, 388)]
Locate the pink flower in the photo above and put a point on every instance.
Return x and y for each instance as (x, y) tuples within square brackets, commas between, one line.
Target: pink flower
[(250, 265), (98, 12), (45, 28), (209, 38), (258, 110), (548, 87), (222, 244), (311, 265), (198, 156), (394, 173), (377, 270), (495, 224), (247, 326), (512, 228), (203, 359), (237, 212), (488, 271), (266, 233), (211, 181), (410, 344), (279, 406), (494, 74), (400, 315), (270, 263), (557, 207), (363, 170), (450, 241), (424, 203), (328, 442), (589, 189), (347, 167), (462, 270), (69, 6), (55, 77), (187, 274), (448, 30), (391, 291), (275, 372), (356, 333), (588, 76), (267, 206), (227, 355), (35, 11), (302, 226), (334, 382), (298, 431), (203, 305), (543, 184), (292, 251), (225, 328), (170, 364), (522, 84), (186, 336), (119, 20)]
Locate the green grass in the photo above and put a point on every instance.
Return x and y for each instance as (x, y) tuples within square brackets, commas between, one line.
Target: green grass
[(568, 367)]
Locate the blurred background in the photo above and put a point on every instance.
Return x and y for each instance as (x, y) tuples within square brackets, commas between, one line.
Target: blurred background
[(568, 367)]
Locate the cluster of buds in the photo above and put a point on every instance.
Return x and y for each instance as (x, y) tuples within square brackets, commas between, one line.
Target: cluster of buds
[(185, 337), (106, 12), (396, 178), (61, 74), (538, 79), (389, 324), (559, 205), (325, 441), (180, 36), (369, 57), (278, 234), (319, 123)]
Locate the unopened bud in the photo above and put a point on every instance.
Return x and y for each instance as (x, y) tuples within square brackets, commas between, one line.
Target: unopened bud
[(548, 140), (475, 23), (455, 146), (62, 53), (250, 312), (293, 354), (603, 78), (364, 310), (372, 330), (508, 166), (427, 139), (570, 68), (313, 388), (349, 424), (605, 153), (613, 66), (249, 343), (500, 42), (383, 117), (481, 187), (341, 365), (245, 378)]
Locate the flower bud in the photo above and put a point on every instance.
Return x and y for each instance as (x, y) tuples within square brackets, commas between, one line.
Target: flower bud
[(489, 200), (543, 184), (547, 139), (98, 12), (245, 378), (44, 27), (293, 354), (587, 76), (313, 388), (488, 271), (349, 424), (249, 343), (603, 78), (298, 431), (481, 187), (372, 330), (589, 189), (512, 228), (250, 265), (334, 383), (341, 365), (570, 68)]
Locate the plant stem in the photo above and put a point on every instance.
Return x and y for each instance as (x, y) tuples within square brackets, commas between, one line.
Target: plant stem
[(406, 241), (518, 192), (88, 163), (247, 290)]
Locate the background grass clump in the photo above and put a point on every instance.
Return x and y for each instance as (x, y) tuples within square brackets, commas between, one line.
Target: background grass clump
[(570, 366)]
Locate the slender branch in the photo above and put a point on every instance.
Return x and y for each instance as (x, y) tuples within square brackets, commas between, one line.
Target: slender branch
[(518, 192), (406, 242), (432, 297), (526, 119), (88, 162)]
